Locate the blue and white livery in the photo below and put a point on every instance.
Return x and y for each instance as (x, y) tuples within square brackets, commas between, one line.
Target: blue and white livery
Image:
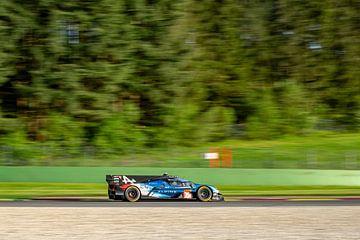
[(134, 188)]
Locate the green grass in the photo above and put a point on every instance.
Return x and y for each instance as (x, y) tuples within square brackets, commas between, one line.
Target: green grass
[(33, 190), (316, 151), (322, 151), (290, 190), (26, 190)]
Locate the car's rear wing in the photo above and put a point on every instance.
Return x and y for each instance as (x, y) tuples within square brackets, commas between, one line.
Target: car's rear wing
[(128, 179)]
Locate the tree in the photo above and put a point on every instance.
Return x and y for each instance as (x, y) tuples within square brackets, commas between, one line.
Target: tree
[(120, 133)]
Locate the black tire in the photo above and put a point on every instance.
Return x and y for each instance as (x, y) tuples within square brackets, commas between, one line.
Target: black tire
[(132, 194), (204, 194)]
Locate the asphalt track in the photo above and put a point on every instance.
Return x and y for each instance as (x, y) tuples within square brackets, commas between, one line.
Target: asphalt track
[(182, 204)]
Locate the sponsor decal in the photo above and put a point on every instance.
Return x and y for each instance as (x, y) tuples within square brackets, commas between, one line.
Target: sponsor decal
[(126, 180), (186, 195), (168, 191)]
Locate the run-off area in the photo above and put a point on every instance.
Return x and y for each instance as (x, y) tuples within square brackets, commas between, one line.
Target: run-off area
[(180, 223)]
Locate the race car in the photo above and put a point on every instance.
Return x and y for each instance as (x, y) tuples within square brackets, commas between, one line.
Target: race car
[(134, 188)]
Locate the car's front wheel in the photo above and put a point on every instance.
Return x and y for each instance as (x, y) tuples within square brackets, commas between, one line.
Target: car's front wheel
[(132, 194), (204, 194)]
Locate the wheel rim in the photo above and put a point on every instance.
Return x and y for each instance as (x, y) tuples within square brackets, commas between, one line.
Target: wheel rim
[(205, 194), (132, 194)]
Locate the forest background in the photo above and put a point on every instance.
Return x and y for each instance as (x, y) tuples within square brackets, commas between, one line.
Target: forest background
[(122, 82)]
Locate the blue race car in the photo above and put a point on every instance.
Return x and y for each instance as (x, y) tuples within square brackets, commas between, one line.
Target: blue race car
[(134, 188)]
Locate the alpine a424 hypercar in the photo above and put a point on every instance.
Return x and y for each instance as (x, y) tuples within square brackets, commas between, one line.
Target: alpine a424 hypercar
[(133, 188)]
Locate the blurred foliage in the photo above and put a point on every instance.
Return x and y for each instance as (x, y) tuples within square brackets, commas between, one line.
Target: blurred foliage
[(120, 132), (122, 76)]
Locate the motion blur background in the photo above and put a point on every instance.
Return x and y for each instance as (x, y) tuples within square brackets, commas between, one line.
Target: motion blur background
[(157, 83)]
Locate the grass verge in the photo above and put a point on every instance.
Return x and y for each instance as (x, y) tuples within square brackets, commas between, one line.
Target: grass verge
[(18, 190), (314, 151), (21, 190)]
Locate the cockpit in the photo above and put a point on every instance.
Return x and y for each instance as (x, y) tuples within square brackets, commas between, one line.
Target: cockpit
[(180, 183)]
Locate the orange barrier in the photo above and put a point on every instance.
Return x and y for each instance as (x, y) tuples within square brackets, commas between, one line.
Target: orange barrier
[(224, 157), (215, 162)]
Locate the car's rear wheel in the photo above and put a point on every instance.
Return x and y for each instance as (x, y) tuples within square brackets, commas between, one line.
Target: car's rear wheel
[(132, 194), (204, 194)]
